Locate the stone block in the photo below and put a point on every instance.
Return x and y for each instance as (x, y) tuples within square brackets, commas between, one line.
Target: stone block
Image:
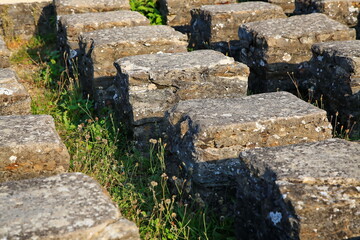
[(287, 5), (303, 191), (177, 13), (66, 206), (216, 26), (25, 18), (335, 78), (4, 54), (274, 48), (96, 67), (208, 134), (14, 99), (149, 85), (83, 6), (72, 25), (344, 11), (30, 147)]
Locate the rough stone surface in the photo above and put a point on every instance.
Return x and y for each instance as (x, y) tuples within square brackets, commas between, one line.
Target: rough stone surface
[(4, 54), (208, 134), (14, 99), (303, 191), (149, 85), (96, 67), (333, 74), (24, 19), (287, 5), (177, 13), (72, 25), (216, 26), (30, 147), (82, 6), (344, 11), (66, 206), (275, 47)]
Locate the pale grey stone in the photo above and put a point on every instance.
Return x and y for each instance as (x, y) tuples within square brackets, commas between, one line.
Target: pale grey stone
[(82, 6), (216, 26), (30, 147), (274, 48), (4, 54), (96, 66), (208, 134), (14, 99), (149, 85), (302, 191), (65, 206)]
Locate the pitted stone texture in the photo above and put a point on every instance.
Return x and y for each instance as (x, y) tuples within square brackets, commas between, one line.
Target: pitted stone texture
[(4, 54), (335, 77), (72, 25), (149, 85), (177, 13), (66, 206), (14, 99), (217, 25), (344, 11), (287, 5), (82, 6), (30, 147), (97, 70), (275, 47), (24, 19), (303, 191), (207, 134)]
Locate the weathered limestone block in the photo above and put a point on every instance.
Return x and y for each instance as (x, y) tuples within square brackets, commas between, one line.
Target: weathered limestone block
[(216, 26), (274, 48), (335, 77), (25, 18), (83, 6), (66, 206), (149, 85), (96, 64), (14, 99), (177, 13), (72, 25), (30, 147), (304, 191), (208, 134), (287, 5), (344, 11), (4, 54)]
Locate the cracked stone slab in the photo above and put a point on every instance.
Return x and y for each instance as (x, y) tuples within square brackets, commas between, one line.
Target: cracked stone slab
[(4, 54), (177, 13), (206, 135), (65, 206), (335, 76), (273, 48), (72, 25), (217, 25), (96, 66), (82, 6), (302, 191), (23, 18), (14, 99), (30, 147), (145, 91)]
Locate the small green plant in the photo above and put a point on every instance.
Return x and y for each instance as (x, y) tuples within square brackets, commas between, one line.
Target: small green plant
[(148, 8)]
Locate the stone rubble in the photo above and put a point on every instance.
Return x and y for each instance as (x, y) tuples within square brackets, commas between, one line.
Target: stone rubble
[(14, 99), (64, 7), (4, 54)]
